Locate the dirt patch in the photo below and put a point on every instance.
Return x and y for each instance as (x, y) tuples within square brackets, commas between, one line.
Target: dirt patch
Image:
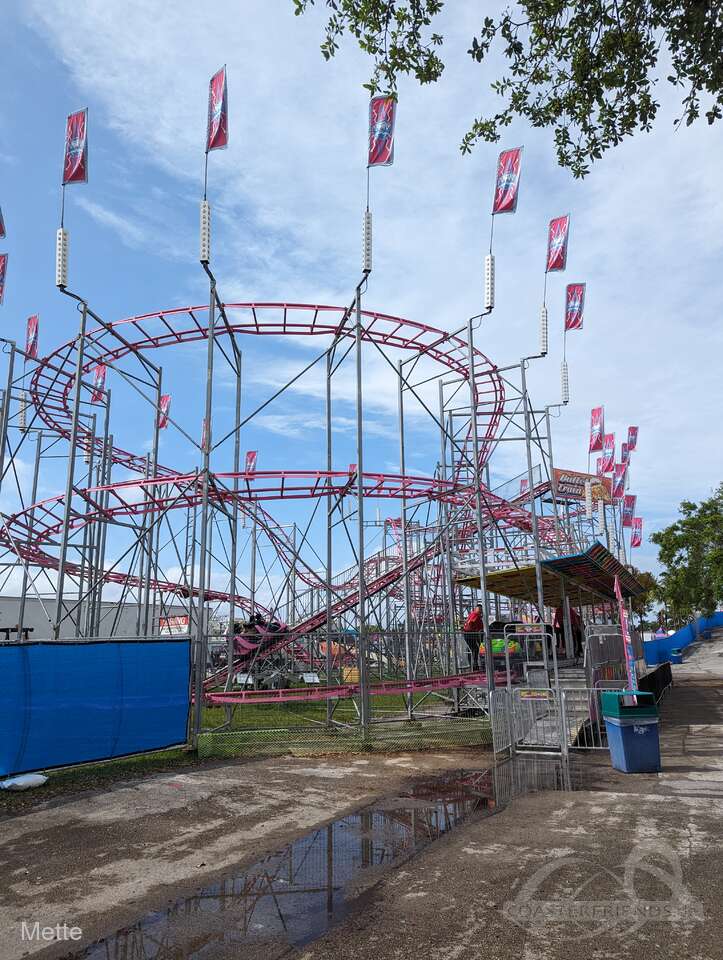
[(101, 860)]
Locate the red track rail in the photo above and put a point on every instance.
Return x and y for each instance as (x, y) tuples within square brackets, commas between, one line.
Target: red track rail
[(53, 379), (347, 690)]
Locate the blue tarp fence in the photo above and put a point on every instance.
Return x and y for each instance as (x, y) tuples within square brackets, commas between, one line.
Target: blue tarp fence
[(658, 650), (63, 703)]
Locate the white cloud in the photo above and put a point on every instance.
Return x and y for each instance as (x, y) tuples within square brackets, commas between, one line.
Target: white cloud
[(647, 228)]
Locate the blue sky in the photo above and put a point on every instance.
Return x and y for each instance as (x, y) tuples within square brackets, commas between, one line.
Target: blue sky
[(646, 236)]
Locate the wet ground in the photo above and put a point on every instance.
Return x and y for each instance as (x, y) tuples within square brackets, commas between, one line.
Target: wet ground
[(297, 894), (387, 857)]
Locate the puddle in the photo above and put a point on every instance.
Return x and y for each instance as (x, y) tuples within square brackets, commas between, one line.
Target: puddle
[(295, 895)]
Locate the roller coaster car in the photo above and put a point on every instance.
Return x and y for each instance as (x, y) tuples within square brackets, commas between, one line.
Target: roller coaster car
[(498, 648)]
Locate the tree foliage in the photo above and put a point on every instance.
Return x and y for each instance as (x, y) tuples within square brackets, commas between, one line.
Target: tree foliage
[(644, 601), (691, 553), (587, 69)]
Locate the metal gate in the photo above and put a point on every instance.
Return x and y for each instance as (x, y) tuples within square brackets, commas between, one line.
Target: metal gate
[(546, 719), (536, 718), (501, 719)]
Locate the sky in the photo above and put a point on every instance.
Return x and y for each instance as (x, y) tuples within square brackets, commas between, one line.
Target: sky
[(287, 198)]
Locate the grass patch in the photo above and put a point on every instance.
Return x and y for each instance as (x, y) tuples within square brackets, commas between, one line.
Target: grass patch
[(428, 734), (262, 716), (95, 776)]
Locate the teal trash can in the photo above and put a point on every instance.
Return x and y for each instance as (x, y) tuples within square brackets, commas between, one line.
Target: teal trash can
[(631, 721), (676, 656)]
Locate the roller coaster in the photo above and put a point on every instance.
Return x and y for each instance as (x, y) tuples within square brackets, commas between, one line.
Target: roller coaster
[(420, 563)]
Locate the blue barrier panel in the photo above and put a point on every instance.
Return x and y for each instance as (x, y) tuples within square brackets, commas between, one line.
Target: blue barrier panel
[(64, 702), (700, 629)]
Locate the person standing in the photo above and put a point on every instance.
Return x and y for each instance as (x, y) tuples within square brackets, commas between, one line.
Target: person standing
[(474, 635), (558, 625), (578, 632)]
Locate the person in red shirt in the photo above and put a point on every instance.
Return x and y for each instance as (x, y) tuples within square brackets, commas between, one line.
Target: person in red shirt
[(474, 635)]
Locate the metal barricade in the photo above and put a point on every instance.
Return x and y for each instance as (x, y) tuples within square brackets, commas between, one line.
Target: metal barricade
[(536, 719), (582, 719), (501, 719), (559, 720)]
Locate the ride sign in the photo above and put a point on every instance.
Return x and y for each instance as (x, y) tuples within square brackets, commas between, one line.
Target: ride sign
[(570, 485)]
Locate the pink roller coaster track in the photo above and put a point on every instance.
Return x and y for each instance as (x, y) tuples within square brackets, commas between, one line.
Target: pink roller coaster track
[(30, 532)]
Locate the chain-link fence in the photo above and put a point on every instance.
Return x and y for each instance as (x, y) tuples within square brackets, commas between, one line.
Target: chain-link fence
[(301, 740)]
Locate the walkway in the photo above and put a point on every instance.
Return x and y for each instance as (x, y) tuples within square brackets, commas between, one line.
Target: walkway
[(484, 891)]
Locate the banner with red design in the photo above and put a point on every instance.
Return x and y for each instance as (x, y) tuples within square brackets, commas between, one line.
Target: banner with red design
[(164, 410), (619, 481), (627, 640), (597, 428), (624, 453), (217, 126), (608, 457), (98, 383), (636, 538), (382, 115), (574, 306), (204, 435), (251, 457), (632, 438), (599, 467), (2, 225), (629, 501), (75, 162), (557, 243), (3, 274), (31, 337), (524, 485), (508, 181)]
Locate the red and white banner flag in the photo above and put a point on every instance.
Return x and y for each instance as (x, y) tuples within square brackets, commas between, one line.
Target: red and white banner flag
[(382, 114), (619, 481), (164, 411), (3, 274), (624, 453), (217, 126), (98, 383), (597, 429), (2, 225), (524, 485), (251, 457), (75, 162), (636, 537), (632, 438), (599, 467), (204, 435), (508, 181), (557, 243), (574, 306), (608, 457), (31, 337), (629, 501), (627, 639)]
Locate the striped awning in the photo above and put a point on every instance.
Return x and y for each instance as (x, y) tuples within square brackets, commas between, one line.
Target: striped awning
[(588, 578)]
